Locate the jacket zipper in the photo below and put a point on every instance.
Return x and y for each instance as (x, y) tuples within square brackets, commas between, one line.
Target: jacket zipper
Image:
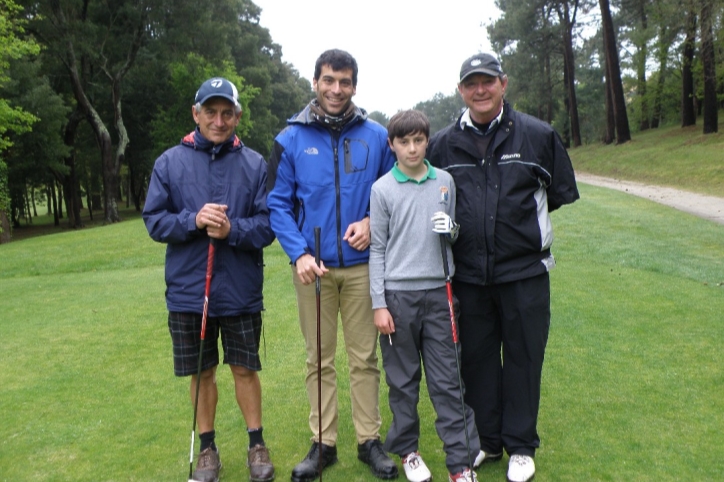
[(337, 191)]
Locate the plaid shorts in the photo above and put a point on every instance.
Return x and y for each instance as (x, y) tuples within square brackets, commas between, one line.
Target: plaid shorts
[(239, 338)]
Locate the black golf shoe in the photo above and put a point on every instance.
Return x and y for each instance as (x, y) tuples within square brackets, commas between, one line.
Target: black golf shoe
[(308, 469), (372, 453)]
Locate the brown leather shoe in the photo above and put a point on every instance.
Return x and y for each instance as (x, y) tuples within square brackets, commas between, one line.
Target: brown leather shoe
[(260, 466), (207, 466)]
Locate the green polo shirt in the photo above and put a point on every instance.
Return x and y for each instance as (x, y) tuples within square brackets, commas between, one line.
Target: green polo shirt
[(402, 177)]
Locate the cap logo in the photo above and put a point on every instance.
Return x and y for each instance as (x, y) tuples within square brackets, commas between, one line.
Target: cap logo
[(475, 62), (216, 83)]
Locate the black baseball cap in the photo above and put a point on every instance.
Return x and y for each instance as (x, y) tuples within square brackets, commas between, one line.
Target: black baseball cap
[(481, 64)]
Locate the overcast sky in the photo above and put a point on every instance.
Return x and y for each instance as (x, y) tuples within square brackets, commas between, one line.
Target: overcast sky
[(406, 50)]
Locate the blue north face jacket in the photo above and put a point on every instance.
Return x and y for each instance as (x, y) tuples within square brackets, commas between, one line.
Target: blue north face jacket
[(322, 177), (185, 178)]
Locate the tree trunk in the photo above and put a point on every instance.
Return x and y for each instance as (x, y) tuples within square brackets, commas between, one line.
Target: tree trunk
[(54, 200), (623, 132), (711, 104), (610, 135), (60, 199), (26, 206), (641, 68), (663, 55), (110, 163), (570, 66), (549, 89), (89, 200), (32, 202), (5, 230), (688, 112), (71, 185)]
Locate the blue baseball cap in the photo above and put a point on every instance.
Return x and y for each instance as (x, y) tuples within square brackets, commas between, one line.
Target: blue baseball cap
[(217, 87)]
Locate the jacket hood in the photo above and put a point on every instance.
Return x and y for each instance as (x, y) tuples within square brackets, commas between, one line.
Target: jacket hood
[(196, 140)]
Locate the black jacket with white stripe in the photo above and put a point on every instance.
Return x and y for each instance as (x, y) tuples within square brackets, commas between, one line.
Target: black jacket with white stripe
[(504, 199)]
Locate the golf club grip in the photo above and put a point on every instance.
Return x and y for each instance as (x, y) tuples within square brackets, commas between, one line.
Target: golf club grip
[(317, 236), (207, 289), (443, 250), (448, 285)]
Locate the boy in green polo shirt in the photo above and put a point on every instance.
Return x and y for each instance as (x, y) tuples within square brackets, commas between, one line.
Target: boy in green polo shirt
[(410, 207)]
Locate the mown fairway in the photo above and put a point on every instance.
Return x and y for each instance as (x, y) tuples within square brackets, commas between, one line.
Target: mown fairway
[(632, 383)]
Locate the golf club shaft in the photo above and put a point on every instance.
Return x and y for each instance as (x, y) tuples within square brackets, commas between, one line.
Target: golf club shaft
[(448, 285), (318, 289), (207, 288)]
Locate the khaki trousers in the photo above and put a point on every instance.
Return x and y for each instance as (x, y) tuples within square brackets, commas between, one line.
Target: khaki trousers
[(345, 293)]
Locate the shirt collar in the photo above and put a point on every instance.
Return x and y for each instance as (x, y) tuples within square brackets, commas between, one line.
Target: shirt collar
[(402, 177), (466, 121)]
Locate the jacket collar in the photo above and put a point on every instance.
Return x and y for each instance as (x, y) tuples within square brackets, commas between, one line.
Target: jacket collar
[(305, 117), (466, 121), (196, 140)]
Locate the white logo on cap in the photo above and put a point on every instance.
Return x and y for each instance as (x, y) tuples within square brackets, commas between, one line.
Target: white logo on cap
[(475, 63), (216, 83)]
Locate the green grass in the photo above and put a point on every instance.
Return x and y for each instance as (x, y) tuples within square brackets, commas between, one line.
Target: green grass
[(632, 380), (669, 156)]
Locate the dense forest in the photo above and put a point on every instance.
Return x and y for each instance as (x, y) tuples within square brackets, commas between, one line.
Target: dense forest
[(92, 92)]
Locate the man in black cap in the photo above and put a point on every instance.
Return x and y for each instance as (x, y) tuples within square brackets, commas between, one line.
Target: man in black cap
[(213, 187), (511, 170)]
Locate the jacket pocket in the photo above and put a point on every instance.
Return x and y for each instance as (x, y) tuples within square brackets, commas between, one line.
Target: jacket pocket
[(356, 155)]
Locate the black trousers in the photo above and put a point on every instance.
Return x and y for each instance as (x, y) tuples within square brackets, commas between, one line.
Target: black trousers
[(503, 335)]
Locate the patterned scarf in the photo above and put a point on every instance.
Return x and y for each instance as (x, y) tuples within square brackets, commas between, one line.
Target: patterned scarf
[(333, 122)]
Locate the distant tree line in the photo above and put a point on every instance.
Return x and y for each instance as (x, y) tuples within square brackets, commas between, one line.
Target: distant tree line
[(92, 92)]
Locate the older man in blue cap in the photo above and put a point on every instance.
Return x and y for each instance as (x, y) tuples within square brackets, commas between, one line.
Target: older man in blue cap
[(213, 187)]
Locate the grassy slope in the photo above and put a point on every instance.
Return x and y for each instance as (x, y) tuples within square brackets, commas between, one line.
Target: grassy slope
[(671, 156)]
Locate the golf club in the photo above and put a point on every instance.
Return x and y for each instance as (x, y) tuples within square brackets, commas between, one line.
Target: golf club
[(453, 326), (209, 270), (318, 289)]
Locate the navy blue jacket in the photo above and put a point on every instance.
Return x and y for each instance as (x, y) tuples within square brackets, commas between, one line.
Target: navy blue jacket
[(321, 177), (185, 178), (503, 198)]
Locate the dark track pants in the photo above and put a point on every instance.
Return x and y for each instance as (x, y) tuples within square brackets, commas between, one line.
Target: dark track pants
[(423, 330), (504, 393)]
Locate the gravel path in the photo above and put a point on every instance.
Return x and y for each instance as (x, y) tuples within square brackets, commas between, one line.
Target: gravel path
[(707, 207)]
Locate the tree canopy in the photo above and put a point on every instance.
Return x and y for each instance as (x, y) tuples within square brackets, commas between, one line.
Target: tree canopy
[(92, 92)]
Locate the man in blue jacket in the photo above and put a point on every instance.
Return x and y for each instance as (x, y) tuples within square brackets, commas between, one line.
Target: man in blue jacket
[(211, 186), (321, 171), (511, 170)]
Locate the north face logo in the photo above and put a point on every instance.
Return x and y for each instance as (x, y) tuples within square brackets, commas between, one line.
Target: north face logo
[(312, 151)]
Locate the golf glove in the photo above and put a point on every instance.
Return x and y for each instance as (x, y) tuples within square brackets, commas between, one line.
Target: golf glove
[(443, 224)]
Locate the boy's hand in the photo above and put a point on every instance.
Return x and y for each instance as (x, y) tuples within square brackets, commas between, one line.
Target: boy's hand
[(443, 224), (358, 234), (384, 322)]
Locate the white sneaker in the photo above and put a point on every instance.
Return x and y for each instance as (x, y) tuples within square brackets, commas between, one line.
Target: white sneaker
[(521, 468), (484, 457), (466, 475), (415, 468)]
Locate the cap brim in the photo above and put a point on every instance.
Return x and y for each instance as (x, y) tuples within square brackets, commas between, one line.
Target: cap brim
[(489, 72), (223, 96)]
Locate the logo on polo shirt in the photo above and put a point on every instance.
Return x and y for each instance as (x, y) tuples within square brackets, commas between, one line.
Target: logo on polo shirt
[(444, 195)]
